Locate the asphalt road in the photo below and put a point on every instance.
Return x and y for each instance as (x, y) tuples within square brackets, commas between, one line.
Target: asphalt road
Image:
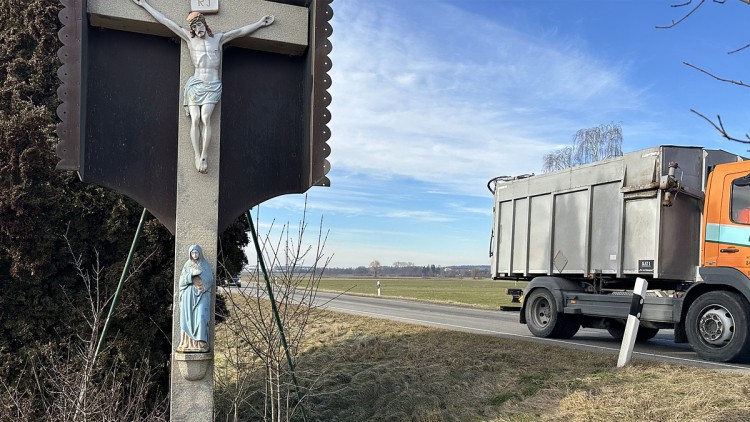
[(505, 324)]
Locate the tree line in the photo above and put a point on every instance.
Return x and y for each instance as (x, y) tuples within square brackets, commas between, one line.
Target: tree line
[(399, 269)]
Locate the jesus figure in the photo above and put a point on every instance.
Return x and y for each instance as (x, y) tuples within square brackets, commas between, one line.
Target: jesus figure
[(203, 89)]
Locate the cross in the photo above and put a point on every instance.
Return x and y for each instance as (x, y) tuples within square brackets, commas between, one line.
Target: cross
[(198, 174)]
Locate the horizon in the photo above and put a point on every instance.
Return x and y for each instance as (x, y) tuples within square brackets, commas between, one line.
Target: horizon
[(248, 268)]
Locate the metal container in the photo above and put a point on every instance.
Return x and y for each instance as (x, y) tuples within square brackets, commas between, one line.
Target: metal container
[(607, 217)]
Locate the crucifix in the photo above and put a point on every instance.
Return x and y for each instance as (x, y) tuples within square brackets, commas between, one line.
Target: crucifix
[(197, 211), (196, 174), (203, 89)]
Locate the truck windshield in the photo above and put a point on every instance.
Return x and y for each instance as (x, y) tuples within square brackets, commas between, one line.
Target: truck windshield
[(740, 205)]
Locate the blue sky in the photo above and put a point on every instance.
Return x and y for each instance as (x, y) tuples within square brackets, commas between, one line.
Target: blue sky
[(432, 98)]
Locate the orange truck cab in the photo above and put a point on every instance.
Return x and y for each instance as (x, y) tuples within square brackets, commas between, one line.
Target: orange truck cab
[(726, 228)]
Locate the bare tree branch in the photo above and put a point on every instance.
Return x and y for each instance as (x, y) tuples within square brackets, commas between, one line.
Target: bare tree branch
[(740, 83), (688, 2), (685, 16), (677, 22), (720, 128), (744, 46), (720, 125)]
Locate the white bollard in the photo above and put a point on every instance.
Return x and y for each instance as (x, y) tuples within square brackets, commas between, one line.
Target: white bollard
[(634, 319), (378, 288)]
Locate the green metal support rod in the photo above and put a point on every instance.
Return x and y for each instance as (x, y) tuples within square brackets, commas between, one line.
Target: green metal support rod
[(123, 276), (276, 313)]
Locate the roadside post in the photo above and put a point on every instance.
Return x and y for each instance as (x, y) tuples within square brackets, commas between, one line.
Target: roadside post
[(378, 287), (634, 319)]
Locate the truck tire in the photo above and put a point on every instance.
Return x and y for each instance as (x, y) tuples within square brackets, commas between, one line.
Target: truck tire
[(543, 319), (617, 330), (717, 326)]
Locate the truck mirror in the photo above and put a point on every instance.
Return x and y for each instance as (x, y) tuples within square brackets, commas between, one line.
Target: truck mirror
[(742, 181)]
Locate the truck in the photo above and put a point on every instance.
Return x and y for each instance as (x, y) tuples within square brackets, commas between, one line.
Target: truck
[(676, 216)]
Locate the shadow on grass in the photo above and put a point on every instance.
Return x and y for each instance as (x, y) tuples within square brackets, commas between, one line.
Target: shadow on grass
[(375, 370), (436, 375), (370, 369)]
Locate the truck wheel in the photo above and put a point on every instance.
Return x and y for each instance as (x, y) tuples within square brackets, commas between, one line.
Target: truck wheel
[(543, 319), (617, 330), (717, 326)]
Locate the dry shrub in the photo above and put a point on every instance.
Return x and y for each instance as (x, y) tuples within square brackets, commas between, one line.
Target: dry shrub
[(256, 346)]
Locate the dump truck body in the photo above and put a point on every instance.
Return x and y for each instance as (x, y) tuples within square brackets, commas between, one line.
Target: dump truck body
[(605, 218)]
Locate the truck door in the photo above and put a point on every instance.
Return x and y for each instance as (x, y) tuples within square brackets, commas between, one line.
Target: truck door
[(734, 223)]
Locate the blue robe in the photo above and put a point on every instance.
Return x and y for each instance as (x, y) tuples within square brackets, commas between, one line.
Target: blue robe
[(195, 306)]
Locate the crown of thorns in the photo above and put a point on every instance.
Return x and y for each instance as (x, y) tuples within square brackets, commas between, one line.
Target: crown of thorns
[(195, 17)]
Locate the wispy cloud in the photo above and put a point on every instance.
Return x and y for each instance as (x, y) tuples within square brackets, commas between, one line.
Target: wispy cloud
[(454, 106), (420, 216)]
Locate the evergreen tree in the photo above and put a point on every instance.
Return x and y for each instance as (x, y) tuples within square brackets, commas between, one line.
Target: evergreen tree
[(40, 207)]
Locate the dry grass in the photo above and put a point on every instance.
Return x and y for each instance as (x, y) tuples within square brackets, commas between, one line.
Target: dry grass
[(659, 393), (375, 370), (482, 293)]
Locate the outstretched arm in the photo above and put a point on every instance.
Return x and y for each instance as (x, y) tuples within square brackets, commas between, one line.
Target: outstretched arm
[(246, 30), (172, 25)]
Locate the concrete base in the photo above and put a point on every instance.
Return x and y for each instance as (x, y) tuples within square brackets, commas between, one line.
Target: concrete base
[(193, 366)]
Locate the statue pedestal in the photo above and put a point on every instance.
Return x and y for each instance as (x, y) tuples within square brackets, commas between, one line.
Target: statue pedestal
[(192, 397), (193, 366)]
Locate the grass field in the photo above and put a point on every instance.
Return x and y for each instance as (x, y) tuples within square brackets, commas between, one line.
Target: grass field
[(483, 293), (364, 369)]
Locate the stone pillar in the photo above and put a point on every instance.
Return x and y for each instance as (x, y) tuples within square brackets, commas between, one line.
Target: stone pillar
[(196, 223)]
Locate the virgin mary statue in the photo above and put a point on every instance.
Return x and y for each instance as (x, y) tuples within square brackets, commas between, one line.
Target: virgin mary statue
[(196, 282)]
